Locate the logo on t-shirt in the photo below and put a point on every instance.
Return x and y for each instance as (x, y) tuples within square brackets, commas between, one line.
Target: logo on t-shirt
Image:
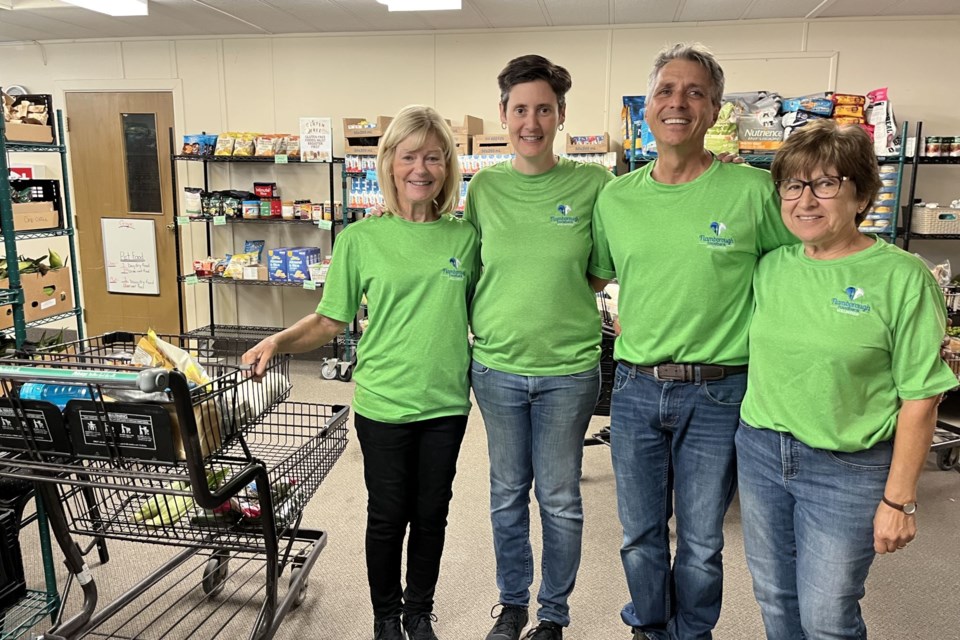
[(849, 305), (454, 273), (565, 217), (716, 238)]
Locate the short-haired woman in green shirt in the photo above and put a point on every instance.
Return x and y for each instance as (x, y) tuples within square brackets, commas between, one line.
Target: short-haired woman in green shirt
[(841, 403), (417, 266)]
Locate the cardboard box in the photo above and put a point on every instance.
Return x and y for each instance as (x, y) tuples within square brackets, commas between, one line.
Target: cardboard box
[(471, 126), (364, 128), (30, 216), (299, 260), (492, 144), (39, 304), (462, 141), (361, 146), (39, 133), (6, 311), (594, 143)]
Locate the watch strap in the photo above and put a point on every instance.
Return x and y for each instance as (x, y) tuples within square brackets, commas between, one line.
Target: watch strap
[(899, 507)]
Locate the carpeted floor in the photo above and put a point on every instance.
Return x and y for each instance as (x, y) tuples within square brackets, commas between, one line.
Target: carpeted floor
[(914, 595)]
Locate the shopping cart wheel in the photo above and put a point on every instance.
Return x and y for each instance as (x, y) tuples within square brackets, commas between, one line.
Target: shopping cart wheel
[(302, 594), (215, 573), (947, 458), (345, 374), (328, 371)]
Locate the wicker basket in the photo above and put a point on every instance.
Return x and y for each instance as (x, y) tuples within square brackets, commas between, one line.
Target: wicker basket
[(939, 220)]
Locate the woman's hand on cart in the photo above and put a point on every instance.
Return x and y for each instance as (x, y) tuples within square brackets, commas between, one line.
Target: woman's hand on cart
[(258, 357)]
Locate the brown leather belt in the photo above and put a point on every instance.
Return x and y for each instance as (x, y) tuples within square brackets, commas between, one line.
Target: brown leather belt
[(673, 372)]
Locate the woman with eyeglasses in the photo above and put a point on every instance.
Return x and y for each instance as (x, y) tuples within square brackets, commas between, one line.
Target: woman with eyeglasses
[(842, 392)]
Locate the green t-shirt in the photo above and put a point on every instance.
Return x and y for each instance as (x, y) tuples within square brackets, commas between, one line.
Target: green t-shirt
[(684, 256), (837, 344), (534, 313), (413, 360)]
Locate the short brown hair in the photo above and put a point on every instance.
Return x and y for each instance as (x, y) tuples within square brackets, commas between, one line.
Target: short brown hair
[(824, 144), (530, 68), (418, 122)]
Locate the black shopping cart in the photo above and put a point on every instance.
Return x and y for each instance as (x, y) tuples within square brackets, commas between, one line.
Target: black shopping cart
[(607, 367), (222, 470)]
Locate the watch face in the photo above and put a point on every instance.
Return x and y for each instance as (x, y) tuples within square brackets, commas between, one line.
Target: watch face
[(910, 508)]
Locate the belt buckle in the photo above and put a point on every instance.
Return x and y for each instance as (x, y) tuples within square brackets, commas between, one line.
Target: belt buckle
[(669, 372)]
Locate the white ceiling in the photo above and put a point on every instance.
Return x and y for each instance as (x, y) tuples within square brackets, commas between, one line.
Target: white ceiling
[(41, 20)]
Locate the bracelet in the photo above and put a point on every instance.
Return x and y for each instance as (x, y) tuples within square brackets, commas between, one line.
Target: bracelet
[(908, 508)]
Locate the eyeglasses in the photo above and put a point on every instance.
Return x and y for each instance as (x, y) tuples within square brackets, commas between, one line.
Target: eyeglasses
[(824, 187)]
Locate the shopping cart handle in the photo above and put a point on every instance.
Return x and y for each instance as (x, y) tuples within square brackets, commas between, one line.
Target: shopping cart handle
[(151, 380)]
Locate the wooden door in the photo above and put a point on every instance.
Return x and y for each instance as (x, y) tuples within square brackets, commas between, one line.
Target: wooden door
[(120, 154)]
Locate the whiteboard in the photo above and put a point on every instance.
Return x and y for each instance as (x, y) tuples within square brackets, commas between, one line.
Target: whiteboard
[(130, 256)]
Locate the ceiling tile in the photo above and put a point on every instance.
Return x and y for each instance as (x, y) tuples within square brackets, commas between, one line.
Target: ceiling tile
[(923, 8), (703, 10), (644, 11), (855, 8), (773, 9), (504, 14), (467, 18), (577, 12)]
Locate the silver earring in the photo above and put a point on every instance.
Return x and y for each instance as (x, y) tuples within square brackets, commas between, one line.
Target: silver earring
[(503, 125), (560, 128)]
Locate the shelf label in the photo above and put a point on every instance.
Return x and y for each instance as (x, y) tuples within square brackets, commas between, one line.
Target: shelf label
[(326, 225), (310, 285), (280, 158), (192, 280), (183, 220), (372, 176), (219, 221)]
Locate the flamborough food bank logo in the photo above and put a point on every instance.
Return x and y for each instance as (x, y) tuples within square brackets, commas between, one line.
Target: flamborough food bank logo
[(566, 217), (848, 303), (454, 273), (716, 237)]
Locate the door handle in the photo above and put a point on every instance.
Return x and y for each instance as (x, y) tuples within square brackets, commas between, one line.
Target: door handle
[(170, 227)]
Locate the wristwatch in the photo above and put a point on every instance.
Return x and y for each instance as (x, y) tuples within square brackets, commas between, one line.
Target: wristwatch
[(908, 508)]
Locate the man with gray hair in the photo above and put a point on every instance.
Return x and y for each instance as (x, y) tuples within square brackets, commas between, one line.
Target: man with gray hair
[(682, 236)]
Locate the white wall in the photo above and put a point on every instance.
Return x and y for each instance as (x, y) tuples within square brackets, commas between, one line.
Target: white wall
[(267, 83)]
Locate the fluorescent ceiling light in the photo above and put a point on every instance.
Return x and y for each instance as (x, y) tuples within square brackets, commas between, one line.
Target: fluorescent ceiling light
[(113, 7), (422, 5)]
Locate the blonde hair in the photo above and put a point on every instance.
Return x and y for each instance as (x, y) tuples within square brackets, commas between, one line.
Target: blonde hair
[(417, 122)]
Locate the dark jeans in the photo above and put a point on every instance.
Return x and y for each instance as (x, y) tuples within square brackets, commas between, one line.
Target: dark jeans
[(409, 470)]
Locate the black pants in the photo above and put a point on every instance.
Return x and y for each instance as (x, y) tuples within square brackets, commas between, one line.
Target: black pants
[(409, 470)]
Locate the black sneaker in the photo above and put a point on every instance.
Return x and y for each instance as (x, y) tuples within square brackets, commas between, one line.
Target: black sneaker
[(510, 622), (546, 630), (418, 626), (387, 629)]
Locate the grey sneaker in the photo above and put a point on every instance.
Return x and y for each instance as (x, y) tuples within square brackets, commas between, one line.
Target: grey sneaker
[(510, 622), (387, 629), (546, 630), (418, 626)]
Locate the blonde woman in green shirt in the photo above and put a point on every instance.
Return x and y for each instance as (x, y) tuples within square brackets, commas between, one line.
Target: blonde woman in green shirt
[(417, 266), (845, 375)]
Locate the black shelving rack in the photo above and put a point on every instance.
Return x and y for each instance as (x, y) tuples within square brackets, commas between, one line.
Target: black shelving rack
[(215, 329), (915, 163)]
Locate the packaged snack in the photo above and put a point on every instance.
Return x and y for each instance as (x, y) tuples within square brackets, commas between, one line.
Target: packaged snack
[(192, 202), (816, 103), (254, 246), (264, 146), (279, 144), (293, 147), (208, 142), (232, 206), (225, 144), (238, 261), (192, 145), (210, 202), (848, 99), (848, 111), (265, 189), (244, 145)]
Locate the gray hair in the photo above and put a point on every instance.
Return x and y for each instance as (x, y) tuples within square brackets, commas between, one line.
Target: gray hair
[(694, 52)]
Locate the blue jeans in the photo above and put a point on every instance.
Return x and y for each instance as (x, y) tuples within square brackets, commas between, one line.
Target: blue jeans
[(808, 531), (535, 429), (673, 453)]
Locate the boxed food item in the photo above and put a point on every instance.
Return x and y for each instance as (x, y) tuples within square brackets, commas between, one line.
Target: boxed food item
[(299, 260), (595, 143), (277, 264), (363, 128), (492, 144), (27, 118), (46, 294), (471, 126)]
